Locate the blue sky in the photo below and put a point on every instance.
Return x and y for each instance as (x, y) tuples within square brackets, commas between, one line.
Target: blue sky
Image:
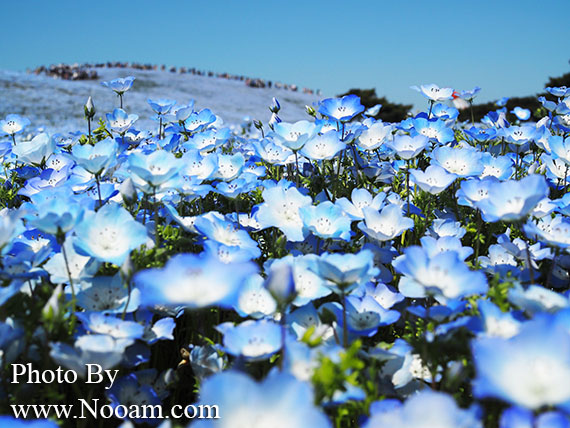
[(507, 47)]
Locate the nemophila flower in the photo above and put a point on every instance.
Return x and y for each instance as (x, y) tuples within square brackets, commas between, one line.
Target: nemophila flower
[(480, 135), (531, 369), (199, 166), (96, 158), (254, 300), (155, 168), (536, 299), (474, 190), (35, 151), (89, 349), (107, 295), (364, 315), (253, 340), (425, 409), (434, 129), (98, 323), (55, 211), (434, 246), (161, 106), (119, 121), (120, 85), (558, 91), (497, 323), (384, 225), (9, 421), (374, 136), (79, 266), (13, 124), (445, 112), (560, 148), (519, 134), (360, 198), (550, 230), (464, 162), (444, 276), (206, 360), (193, 281), (308, 284), (447, 227), (385, 295), (127, 391), (513, 200), (279, 401), (214, 226), (109, 235), (501, 167), (229, 166), (345, 271), (295, 135), (244, 184), (305, 320), (271, 152), (434, 93), (10, 225), (496, 119), (519, 417), (281, 209), (407, 147), (199, 120), (469, 94), (326, 220), (342, 109), (433, 180), (521, 113), (323, 146)]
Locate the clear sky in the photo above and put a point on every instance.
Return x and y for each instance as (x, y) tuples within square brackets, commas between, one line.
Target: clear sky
[(507, 47)]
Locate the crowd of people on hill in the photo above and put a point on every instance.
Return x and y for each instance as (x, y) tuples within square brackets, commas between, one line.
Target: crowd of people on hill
[(88, 71)]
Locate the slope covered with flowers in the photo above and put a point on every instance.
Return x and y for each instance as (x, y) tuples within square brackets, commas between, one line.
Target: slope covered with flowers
[(336, 271)]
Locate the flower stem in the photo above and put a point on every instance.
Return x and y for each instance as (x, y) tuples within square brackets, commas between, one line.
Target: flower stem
[(344, 326)]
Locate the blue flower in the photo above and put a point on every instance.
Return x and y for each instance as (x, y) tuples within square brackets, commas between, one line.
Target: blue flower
[(161, 106), (341, 109), (260, 405), (326, 220), (463, 162), (521, 113), (155, 168), (281, 209), (107, 295), (323, 146), (480, 135), (360, 198), (518, 417), (434, 129), (295, 135), (193, 281), (253, 340), (55, 211), (433, 180), (13, 124), (97, 158), (407, 147), (35, 151), (386, 224), (513, 200), (98, 323), (373, 137), (434, 93), (531, 369), (427, 408), (120, 121), (345, 271), (501, 167), (109, 235), (214, 226), (444, 276), (90, 349), (9, 421), (120, 85), (127, 391)]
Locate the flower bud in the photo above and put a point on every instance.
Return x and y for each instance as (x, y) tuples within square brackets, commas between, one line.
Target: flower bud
[(281, 284), (89, 109), (128, 191), (311, 111), (275, 106)]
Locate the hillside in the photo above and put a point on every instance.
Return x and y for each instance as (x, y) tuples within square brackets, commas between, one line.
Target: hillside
[(57, 104)]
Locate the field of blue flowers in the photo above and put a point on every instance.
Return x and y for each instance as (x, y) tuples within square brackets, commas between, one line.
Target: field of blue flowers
[(338, 271)]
